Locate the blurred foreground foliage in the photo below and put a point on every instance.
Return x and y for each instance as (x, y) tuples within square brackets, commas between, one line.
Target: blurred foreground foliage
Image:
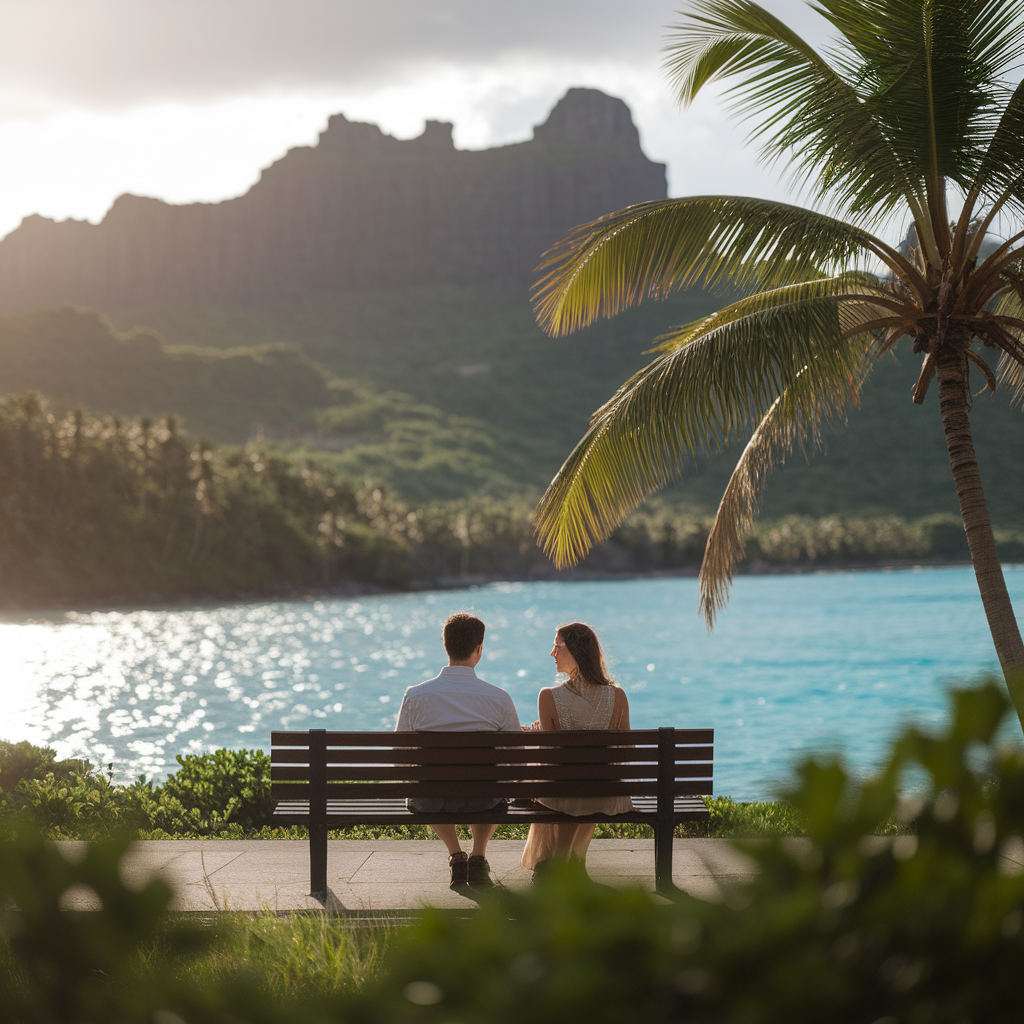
[(842, 925), (107, 510)]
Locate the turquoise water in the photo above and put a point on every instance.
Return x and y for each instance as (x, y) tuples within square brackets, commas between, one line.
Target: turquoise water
[(796, 664)]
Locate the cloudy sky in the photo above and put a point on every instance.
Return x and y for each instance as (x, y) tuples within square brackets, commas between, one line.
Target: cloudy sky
[(188, 100)]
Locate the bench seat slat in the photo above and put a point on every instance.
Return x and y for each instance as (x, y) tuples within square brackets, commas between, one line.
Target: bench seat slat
[(477, 755), (394, 812)]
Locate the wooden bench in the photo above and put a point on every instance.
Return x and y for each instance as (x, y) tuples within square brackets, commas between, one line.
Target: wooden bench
[(338, 779)]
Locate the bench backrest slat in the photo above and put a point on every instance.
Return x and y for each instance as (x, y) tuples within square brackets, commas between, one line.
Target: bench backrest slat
[(595, 737), (484, 756)]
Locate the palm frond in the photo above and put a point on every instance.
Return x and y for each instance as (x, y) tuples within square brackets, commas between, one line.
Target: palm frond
[(910, 97), (990, 278), (653, 248), (1010, 370), (932, 72), (1000, 178), (866, 288), (801, 106), (797, 414), (699, 396)]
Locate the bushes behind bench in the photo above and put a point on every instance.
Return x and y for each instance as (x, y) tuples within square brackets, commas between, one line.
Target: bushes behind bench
[(223, 793), (226, 794)]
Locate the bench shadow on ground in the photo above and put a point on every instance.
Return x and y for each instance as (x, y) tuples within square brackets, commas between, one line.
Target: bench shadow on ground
[(331, 904)]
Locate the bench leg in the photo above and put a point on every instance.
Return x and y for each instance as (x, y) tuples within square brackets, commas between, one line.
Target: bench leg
[(318, 860), (663, 832)]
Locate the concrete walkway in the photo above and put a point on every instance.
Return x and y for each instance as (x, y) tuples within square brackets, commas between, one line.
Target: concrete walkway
[(371, 877), (368, 878)]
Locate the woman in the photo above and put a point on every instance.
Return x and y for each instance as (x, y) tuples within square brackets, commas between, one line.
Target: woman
[(589, 699)]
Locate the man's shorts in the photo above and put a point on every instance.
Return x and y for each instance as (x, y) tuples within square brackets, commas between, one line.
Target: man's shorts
[(453, 804)]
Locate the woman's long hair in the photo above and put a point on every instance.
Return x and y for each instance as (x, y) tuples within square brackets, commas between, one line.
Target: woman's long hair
[(582, 643)]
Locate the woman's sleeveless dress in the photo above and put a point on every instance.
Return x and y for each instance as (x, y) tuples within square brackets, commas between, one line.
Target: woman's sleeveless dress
[(591, 707)]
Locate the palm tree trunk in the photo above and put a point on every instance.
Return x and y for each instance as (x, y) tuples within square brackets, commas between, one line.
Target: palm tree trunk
[(951, 372)]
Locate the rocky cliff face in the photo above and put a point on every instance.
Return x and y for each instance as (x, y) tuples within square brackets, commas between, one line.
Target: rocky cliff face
[(360, 210)]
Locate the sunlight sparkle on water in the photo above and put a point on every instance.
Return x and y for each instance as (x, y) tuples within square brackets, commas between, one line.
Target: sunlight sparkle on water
[(796, 664)]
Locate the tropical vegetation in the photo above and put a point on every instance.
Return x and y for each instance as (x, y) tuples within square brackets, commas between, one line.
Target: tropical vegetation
[(910, 123), (106, 510)]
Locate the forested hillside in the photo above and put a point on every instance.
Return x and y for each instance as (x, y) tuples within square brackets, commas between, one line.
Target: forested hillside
[(76, 358), (444, 394), (480, 354)]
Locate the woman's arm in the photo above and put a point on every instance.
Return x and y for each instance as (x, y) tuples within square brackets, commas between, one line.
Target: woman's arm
[(546, 711), (620, 713)]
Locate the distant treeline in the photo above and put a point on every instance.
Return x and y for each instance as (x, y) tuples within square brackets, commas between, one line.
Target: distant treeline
[(108, 510)]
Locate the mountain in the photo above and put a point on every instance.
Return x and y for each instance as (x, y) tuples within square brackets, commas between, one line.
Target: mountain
[(359, 211)]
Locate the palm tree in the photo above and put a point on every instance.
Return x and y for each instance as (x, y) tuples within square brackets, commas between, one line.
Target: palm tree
[(909, 122)]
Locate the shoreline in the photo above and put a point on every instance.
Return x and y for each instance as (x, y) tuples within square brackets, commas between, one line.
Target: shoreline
[(161, 602)]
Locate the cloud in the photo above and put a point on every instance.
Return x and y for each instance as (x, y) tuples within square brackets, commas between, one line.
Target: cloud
[(123, 53), (189, 100)]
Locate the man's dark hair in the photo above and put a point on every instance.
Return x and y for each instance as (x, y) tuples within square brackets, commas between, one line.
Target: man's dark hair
[(463, 634)]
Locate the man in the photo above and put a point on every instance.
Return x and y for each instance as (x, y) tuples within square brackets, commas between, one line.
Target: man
[(458, 701)]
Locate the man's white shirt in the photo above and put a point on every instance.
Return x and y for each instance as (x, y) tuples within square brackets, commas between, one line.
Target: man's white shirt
[(457, 701)]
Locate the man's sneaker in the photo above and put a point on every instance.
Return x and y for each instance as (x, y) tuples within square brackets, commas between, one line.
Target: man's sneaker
[(479, 873), (459, 864)]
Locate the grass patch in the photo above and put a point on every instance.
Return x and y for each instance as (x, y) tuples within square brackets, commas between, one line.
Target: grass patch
[(283, 959)]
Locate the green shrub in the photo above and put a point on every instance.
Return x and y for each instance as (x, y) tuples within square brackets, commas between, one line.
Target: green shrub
[(210, 790), (24, 760), (223, 793), (81, 806)]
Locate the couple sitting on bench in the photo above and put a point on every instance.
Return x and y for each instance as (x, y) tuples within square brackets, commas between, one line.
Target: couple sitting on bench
[(459, 701)]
